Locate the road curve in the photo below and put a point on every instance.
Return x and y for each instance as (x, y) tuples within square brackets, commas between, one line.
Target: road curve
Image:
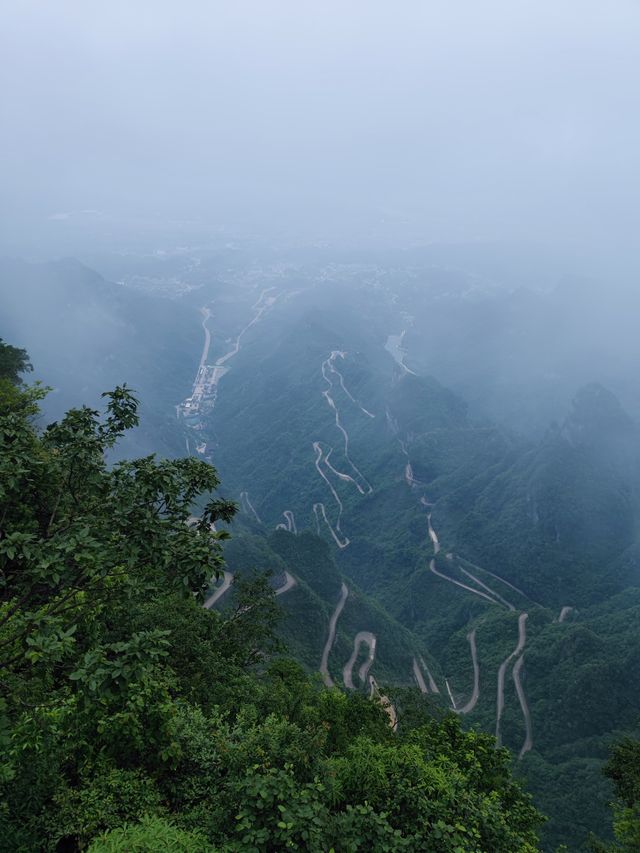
[(368, 639), (503, 580), (432, 567), (522, 639), (328, 364), (219, 591), (475, 694), (492, 592), (433, 536), (417, 673), (564, 613), (317, 449), (331, 636), (248, 507), (453, 701), (291, 522), (335, 370), (207, 337), (433, 687), (528, 740), (340, 543), (289, 583), (340, 474)]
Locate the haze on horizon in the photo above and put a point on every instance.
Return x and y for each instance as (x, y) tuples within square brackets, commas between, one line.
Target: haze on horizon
[(420, 121)]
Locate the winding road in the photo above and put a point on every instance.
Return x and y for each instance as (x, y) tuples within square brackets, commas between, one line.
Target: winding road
[(475, 693), (291, 522), (219, 591), (335, 533), (432, 567), (564, 613), (528, 740), (341, 543), (260, 306), (340, 474), (248, 507), (417, 674), (361, 638), (328, 365), (216, 595), (522, 639), (494, 598), (290, 525), (331, 636), (205, 385), (289, 583), (433, 536), (207, 337), (487, 588), (335, 370), (394, 347)]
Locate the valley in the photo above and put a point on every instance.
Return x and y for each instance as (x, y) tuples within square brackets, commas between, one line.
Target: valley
[(413, 541)]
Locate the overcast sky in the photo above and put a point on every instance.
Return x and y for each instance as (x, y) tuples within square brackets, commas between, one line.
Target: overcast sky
[(448, 120)]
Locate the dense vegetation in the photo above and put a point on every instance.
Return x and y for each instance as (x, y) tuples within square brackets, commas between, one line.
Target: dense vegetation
[(133, 719)]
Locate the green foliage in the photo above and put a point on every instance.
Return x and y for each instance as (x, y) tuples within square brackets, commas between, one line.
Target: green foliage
[(149, 836), (133, 719), (13, 362), (623, 768)]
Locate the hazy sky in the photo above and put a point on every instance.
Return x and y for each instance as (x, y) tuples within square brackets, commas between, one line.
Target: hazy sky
[(443, 120)]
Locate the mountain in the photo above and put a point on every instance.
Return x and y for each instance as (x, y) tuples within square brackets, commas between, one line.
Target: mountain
[(375, 423), (87, 335)]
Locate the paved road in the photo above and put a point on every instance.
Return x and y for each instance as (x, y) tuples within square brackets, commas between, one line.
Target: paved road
[(492, 592), (417, 673), (522, 639), (291, 522), (475, 694), (433, 536), (335, 533), (340, 474), (207, 337), (289, 583), (220, 591), (528, 740), (248, 507), (366, 638), (344, 388), (331, 636), (328, 365), (564, 613), (432, 566)]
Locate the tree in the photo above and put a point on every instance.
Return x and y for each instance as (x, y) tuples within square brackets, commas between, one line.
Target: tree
[(623, 768), (80, 545), (13, 362)]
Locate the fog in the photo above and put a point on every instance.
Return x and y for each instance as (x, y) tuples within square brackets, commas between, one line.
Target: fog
[(410, 123)]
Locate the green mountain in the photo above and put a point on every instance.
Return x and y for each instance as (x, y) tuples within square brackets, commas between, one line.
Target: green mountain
[(374, 421)]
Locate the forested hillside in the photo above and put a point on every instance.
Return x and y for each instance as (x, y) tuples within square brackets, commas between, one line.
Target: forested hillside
[(413, 535), (132, 717)]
